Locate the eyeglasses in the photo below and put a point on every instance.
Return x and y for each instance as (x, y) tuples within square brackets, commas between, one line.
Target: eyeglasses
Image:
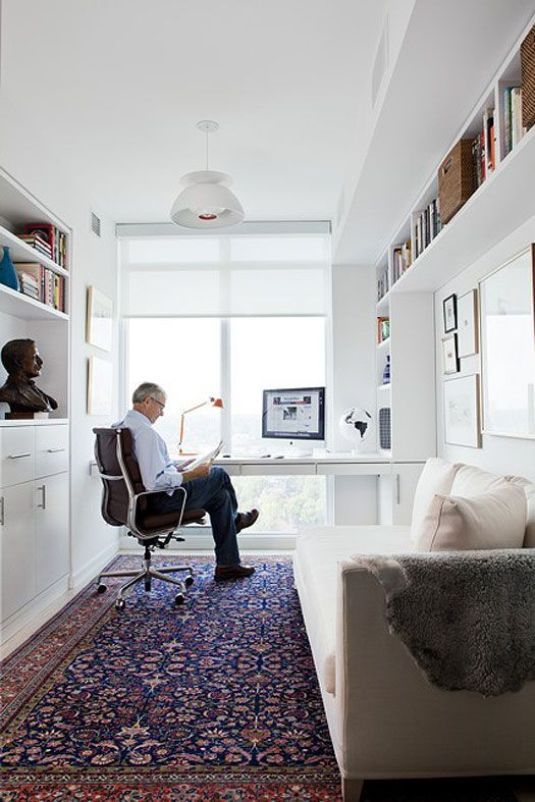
[(162, 406)]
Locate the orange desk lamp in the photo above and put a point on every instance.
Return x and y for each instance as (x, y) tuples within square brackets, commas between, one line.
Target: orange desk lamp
[(212, 401)]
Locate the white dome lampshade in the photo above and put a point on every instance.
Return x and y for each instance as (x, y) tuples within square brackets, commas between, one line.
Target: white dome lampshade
[(206, 200)]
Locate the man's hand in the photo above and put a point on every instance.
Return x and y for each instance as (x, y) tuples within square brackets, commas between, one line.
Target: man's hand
[(198, 472)]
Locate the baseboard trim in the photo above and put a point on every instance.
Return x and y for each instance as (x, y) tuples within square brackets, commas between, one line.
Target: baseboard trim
[(91, 569), (30, 615), (204, 542)]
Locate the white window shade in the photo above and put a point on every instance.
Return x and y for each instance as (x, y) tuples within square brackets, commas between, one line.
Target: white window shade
[(224, 276)]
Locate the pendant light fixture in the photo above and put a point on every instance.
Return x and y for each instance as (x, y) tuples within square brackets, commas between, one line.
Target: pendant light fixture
[(206, 201)]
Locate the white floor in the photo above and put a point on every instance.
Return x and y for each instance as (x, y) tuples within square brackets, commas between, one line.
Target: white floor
[(524, 789)]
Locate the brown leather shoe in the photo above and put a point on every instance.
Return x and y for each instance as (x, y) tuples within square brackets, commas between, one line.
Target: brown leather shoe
[(246, 519), (223, 572)]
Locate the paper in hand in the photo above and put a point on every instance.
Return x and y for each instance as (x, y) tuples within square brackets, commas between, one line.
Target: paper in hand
[(203, 458)]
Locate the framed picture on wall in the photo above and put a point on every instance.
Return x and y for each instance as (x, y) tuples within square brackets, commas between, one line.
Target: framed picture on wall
[(507, 323), (99, 386), (462, 425), (99, 319), (450, 357), (467, 338), (449, 313)]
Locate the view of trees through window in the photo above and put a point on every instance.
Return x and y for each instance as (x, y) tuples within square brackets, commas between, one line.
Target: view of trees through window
[(188, 357)]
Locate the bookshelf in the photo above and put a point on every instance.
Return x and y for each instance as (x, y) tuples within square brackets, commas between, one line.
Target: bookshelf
[(34, 453), (496, 207), (23, 315)]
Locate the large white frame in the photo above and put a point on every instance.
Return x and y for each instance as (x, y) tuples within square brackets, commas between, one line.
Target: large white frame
[(507, 337)]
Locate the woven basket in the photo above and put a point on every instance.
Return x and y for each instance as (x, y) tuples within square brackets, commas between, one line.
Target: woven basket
[(527, 58), (456, 179)]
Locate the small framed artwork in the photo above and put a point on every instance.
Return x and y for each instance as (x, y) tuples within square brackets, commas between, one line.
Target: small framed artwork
[(462, 426), (449, 313), (467, 328), (99, 386), (450, 354), (99, 319)]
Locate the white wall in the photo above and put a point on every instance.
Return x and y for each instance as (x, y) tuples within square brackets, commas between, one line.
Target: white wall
[(351, 381), (498, 454), (33, 162)]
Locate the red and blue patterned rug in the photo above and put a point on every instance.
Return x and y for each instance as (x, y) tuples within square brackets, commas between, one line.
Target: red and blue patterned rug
[(214, 701)]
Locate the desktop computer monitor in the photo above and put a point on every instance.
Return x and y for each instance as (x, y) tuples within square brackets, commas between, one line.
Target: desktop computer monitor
[(295, 414)]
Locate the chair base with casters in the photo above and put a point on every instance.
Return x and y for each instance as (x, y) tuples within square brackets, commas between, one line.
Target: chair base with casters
[(146, 575), (125, 502)]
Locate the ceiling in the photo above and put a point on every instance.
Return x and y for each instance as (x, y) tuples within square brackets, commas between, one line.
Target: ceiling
[(120, 84)]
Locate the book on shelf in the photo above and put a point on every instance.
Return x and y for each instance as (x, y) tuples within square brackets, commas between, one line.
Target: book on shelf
[(426, 225), (383, 329), (383, 283), (512, 117), (54, 240), (490, 140), (42, 284)]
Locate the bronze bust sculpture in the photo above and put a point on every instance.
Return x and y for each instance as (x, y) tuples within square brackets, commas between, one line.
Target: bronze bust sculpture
[(23, 364)]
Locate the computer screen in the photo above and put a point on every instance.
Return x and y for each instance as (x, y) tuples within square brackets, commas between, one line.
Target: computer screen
[(295, 414)]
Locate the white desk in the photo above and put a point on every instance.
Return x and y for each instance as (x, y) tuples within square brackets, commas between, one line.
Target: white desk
[(324, 465)]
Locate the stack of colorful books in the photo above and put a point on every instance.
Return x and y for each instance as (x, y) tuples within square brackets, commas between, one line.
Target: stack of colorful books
[(48, 240)]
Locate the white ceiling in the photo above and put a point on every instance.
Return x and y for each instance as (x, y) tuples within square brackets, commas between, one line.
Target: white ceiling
[(120, 84)]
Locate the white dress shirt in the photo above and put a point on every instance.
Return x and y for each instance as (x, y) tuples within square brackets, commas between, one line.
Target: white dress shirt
[(158, 470)]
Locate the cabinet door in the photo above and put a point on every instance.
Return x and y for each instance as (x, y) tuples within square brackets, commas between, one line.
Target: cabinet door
[(51, 530), (17, 552), (405, 477)]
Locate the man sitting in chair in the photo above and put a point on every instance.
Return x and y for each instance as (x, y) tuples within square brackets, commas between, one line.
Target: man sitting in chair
[(208, 487)]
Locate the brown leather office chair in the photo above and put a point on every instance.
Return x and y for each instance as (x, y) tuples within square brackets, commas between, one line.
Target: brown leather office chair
[(125, 502)]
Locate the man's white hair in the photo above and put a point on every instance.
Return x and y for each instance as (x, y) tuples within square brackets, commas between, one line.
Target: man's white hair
[(145, 390)]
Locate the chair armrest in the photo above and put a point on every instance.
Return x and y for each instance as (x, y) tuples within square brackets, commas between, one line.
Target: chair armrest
[(133, 504)]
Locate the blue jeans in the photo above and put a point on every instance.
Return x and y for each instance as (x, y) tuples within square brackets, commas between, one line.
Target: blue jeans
[(215, 494)]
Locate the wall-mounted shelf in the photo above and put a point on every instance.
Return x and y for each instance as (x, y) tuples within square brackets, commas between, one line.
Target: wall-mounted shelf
[(21, 252), (496, 208), (22, 306), (384, 345)]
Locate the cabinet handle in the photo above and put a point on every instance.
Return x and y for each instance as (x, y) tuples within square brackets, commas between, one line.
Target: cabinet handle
[(19, 456), (398, 488), (1, 510), (42, 488), (54, 450)]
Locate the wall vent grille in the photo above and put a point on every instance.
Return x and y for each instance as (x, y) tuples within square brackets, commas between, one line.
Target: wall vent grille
[(95, 224)]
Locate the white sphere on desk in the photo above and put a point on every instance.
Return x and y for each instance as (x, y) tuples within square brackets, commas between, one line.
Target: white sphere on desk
[(355, 426)]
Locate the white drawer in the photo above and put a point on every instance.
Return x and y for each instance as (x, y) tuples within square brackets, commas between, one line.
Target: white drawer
[(17, 447), (51, 449)]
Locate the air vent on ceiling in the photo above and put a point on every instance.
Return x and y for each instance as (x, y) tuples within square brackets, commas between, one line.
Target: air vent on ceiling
[(380, 63), (95, 224)]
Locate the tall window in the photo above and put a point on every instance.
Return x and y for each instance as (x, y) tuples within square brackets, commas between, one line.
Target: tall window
[(229, 316)]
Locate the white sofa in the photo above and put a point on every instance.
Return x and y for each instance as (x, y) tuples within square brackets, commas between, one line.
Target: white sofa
[(385, 719)]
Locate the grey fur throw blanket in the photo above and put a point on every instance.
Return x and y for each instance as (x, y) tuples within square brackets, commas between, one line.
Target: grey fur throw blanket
[(467, 618)]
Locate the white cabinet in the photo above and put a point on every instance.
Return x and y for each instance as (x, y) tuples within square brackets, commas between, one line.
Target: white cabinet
[(34, 512), (17, 554), (51, 529), (396, 493)]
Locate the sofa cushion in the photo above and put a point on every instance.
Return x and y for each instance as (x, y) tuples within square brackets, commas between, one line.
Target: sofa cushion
[(318, 552), (471, 481), (492, 520), (436, 478), (529, 490)]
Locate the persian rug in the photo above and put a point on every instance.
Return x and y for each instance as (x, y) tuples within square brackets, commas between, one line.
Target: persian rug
[(214, 701)]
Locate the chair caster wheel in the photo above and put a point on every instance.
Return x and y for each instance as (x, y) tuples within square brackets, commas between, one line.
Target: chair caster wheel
[(147, 585), (188, 581), (101, 587), (120, 604), (179, 599)]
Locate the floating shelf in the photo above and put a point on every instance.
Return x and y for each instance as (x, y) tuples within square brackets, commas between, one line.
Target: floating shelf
[(496, 208), (21, 252), (15, 303)]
